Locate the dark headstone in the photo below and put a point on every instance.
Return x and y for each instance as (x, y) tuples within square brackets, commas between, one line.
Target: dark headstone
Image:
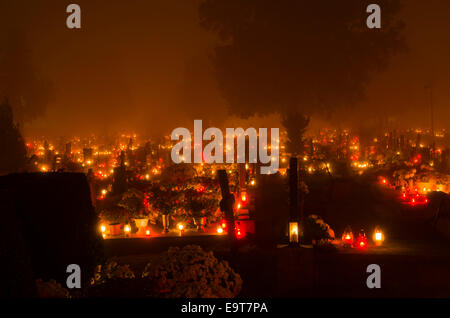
[(18, 278), (57, 221)]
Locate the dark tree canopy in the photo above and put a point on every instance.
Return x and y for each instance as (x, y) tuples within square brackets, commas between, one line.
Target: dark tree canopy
[(19, 80), (13, 152), (295, 54), (295, 124)]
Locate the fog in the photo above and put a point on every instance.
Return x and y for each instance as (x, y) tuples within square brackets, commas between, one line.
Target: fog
[(144, 66)]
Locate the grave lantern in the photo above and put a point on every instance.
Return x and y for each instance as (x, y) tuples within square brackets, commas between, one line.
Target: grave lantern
[(347, 237), (293, 232), (378, 237)]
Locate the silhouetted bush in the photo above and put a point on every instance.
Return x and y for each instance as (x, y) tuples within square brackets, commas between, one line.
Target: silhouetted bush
[(114, 280), (179, 272), (315, 229), (13, 155), (51, 289), (191, 272)]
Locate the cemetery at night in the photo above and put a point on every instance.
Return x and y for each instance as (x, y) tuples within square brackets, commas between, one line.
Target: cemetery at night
[(243, 150)]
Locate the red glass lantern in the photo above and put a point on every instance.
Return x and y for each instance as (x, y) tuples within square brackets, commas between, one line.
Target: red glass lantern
[(239, 234), (243, 201), (361, 241)]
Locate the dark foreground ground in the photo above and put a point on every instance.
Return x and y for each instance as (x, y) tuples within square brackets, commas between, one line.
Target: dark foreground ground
[(409, 268), (414, 261)]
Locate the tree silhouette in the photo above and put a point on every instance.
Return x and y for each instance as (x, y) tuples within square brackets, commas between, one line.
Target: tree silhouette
[(133, 202), (28, 92), (295, 124), (279, 56), (13, 151)]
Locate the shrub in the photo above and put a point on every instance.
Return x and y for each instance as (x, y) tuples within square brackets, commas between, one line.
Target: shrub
[(51, 289), (192, 272), (114, 215), (316, 229), (187, 272), (111, 270), (114, 280), (133, 202)]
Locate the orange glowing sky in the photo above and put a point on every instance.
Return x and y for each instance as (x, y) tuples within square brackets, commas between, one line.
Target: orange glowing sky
[(143, 66)]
